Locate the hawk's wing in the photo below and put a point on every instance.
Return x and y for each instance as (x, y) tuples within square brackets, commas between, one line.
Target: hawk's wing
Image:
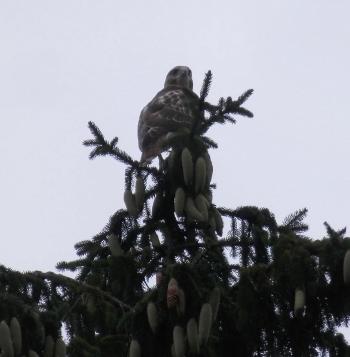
[(171, 109)]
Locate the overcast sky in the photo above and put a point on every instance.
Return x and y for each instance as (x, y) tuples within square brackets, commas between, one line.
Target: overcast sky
[(64, 63)]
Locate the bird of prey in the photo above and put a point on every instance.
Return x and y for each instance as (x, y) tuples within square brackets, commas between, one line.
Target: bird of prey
[(174, 108)]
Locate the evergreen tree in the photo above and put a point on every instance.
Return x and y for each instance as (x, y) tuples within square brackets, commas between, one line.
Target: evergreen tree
[(224, 282)]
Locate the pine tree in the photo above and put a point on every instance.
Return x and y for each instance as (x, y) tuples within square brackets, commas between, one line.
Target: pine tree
[(174, 274)]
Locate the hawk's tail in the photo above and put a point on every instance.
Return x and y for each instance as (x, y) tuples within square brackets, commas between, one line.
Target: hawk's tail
[(149, 154)]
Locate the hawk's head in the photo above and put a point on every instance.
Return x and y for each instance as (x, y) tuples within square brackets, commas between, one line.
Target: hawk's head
[(179, 76)]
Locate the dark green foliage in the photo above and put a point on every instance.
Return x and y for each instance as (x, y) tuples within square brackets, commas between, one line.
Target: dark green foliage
[(256, 265)]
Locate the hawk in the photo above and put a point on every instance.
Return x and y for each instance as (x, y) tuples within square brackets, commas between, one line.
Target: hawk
[(173, 108)]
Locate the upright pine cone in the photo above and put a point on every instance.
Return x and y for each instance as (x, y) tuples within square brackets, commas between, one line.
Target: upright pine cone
[(172, 293)]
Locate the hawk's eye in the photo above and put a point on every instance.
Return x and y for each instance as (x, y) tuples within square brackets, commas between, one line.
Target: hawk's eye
[(189, 72)]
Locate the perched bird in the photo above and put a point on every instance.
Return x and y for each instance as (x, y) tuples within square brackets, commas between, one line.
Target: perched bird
[(173, 108)]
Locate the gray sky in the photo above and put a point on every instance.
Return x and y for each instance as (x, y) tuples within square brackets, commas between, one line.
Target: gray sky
[(64, 63)]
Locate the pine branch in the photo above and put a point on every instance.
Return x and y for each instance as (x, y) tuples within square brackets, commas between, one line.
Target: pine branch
[(128, 177), (228, 118), (104, 148), (210, 108), (77, 286), (254, 215), (229, 243), (333, 233), (206, 86), (294, 222), (241, 111), (198, 122), (87, 246), (96, 133), (222, 112), (209, 142), (244, 97)]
